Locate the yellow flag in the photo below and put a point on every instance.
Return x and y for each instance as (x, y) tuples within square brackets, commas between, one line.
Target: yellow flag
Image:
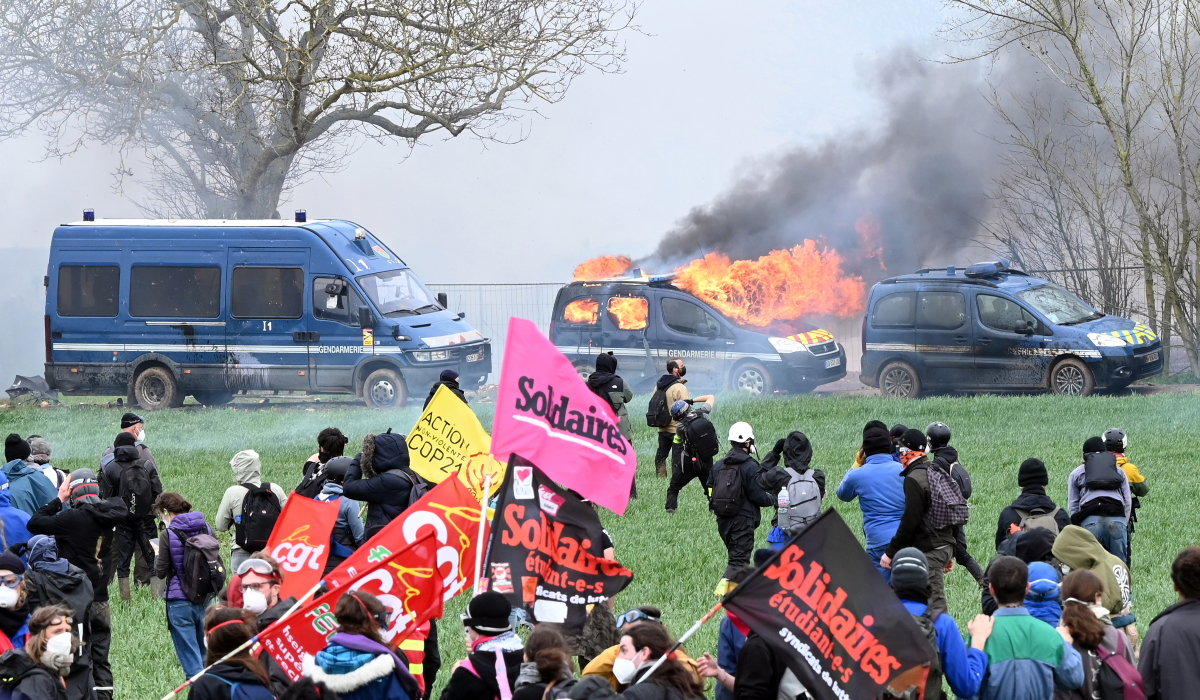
[(448, 439)]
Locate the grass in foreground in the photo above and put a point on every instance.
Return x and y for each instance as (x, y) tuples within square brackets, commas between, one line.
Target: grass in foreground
[(677, 559)]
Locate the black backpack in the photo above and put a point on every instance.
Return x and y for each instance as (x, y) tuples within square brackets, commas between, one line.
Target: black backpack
[(1100, 471), (417, 487), (701, 437), (728, 492), (933, 683), (135, 488), (203, 574), (314, 480), (260, 510), (658, 413)]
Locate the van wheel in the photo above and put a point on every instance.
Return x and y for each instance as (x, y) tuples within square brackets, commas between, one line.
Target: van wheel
[(155, 388), (899, 380), (753, 379), (385, 389), (1071, 377), (214, 398)]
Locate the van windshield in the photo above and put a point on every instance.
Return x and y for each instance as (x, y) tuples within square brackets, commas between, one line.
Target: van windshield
[(398, 293), (1060, 306)]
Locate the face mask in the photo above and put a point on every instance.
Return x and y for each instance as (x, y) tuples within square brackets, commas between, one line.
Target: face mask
[(59, 643), (8, 597), (682, 371), (142, 435), (624, 670), (54, 657), (254, 601)]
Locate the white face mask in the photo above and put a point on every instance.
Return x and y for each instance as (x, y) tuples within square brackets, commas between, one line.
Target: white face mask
[(141, 435), (624, 670), (59, 643), (8, 597), (254, 601)]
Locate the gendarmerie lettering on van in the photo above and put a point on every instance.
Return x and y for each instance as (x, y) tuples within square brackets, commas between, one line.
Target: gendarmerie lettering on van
[(159, 309), (646, 321), (989, 327)]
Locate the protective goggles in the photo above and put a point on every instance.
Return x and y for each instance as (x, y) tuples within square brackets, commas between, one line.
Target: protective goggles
[(634, 615), (11, 580), (258, 566)]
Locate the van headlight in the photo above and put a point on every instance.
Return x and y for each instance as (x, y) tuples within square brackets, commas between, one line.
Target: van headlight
[(434, 356), (786, 345), (1104, 340)]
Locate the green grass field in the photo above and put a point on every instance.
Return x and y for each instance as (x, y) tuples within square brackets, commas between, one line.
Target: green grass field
[(678, 559)]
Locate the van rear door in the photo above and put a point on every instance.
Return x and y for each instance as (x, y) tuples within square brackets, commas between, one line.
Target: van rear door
[(267, 334)]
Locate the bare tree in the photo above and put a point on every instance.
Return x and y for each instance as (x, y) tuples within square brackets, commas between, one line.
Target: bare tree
[(232, 102)]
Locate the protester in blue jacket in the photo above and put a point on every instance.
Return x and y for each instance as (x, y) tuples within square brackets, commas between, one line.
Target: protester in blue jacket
[(13, 521), (1043, 599), (29, 488), (962, 667), (879, 488)]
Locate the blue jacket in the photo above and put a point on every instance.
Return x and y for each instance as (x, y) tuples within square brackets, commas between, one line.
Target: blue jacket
[(13, 521), (1027, 659), (880, 491), (729, 645), (356, 668), (963, 667), (347, 519), (1043, 599), (30, 488)]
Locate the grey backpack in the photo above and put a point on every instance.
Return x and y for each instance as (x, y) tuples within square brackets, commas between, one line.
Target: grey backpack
[(804, 501), (1031, 519)]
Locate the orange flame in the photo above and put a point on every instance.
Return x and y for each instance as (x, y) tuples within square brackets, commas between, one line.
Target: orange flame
[(782, 285), (603, 267), (629, 312), (582, 311)]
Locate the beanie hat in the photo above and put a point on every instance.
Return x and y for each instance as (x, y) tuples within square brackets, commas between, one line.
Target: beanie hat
[(124, 439), (448, 375), (1043, 582), (910, 574), (39, 449), (874, 424), (1032, 473), (84, 487), (11, 562), (130, 419), (876, 441), (487, 613), (15, 448), (913, 439), (1093, 444)]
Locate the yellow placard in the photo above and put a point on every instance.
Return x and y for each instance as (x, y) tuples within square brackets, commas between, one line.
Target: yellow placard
[(448, 439), (368, 337)]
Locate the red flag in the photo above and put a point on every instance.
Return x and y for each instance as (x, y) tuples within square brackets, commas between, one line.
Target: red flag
[(406, 582), (451, 513), (300, 542)]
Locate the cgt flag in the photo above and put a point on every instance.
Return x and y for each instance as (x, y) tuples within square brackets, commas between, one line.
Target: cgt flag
[(300, 542), (405, 582), (448, 439), (821, 603), (545, 413), (545, 552)]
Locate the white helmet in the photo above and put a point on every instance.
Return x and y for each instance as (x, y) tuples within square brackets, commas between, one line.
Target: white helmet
[(741, 433)]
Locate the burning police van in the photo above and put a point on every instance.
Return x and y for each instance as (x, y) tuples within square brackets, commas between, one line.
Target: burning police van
[(645, 321)]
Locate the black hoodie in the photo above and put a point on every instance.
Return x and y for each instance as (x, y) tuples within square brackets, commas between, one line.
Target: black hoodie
[(123, 456), (451, 384), (211, 687), (84, 534), (665, 381), (25, 679), (1032, 500), (379, 476)]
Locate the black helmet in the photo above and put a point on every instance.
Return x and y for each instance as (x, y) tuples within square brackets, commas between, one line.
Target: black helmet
[(335, 469), (1115, 440), (938, 434)]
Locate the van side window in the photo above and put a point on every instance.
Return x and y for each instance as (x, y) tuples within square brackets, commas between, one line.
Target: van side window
[(267, 292), (894, 310), (175, 291), (685, 317), (628, 313), (88, 290), (1002, 314), (584, 312), (942, 310), (341, 307)]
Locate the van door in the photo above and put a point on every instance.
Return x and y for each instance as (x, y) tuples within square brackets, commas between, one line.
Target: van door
[(944, 339), (335, 352), (624, 322), (267, 332), (1005, 358), (690, 332), (176, 307)]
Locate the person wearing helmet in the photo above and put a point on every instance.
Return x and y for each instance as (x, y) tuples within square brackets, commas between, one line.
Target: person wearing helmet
[(735, 498), (1115, 441), (937, 436), (879, 488), (698, 438), (347, 533)]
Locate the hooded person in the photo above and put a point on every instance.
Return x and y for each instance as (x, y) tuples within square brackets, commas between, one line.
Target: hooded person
[(14, 603), (36, 671), (50, 580), (29, 488), (1033, 507), (380, 477), (1078, 549), (135, 479), (247, 472), (449, 379), (793, 453), (1043, 600), (1031, 546), (879, 488), (84, 535), (39, 455), (605, 383), (331, 444), (347, 534), (14, 522), (495, 652)]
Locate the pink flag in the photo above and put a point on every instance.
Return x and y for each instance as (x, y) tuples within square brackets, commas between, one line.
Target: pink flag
[(549, 416)]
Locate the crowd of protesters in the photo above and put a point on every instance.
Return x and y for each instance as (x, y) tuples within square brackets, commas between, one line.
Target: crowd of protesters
[(1056, 602)]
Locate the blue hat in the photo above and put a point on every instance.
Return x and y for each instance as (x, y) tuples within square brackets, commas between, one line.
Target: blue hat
[(1043, 582)]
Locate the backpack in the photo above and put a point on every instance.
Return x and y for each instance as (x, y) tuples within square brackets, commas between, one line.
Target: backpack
[(933, 682), (658, 413), (804, 501), (417, 487), (1100, 472), (246, 691), (314, 480), (947, 506), (1118, 679), (135, 488), (1034, 519), (728, 493), (701, 437), (558, 691), (203, 574), (260, 510)]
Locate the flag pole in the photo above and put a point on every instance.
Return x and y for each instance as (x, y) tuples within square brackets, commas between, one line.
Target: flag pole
[(487, 488), (248, 643), (686, 635)]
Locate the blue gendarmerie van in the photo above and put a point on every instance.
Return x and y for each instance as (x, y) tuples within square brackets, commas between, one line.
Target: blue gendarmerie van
[(992, 328), (157, 310)]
